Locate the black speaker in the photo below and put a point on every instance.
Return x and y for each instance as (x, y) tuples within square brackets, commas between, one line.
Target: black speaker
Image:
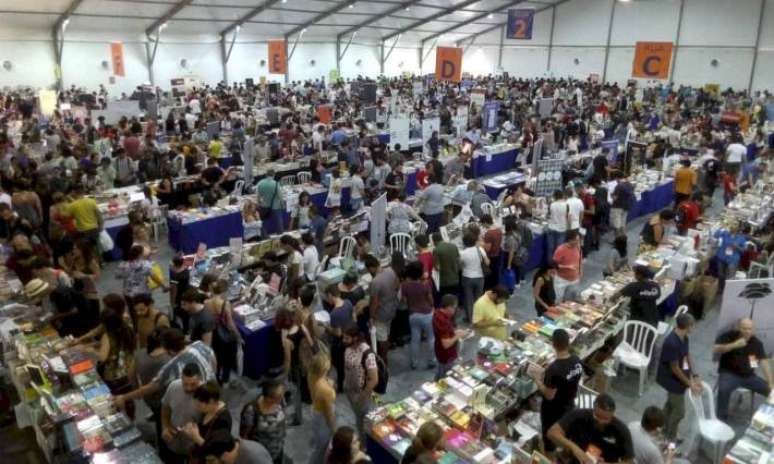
[(368, 92)]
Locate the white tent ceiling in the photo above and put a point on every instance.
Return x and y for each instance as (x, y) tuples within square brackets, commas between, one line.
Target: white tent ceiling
[(412, 20)]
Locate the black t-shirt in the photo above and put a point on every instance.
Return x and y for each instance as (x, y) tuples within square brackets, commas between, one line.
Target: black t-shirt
[(201, 323), (276, 359), (182, 280), (739, 361), (212, 174), (643, 301), (674, 349), (563, 375), (613, 440), (711, 170), (600, 163)]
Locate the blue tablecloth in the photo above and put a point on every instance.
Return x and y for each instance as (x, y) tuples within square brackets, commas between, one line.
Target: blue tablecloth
[(771, 141), (213, 232), (115, 253), (255, 349), (652, 201), (537, 253), (384, 138), (379, 453), (499, 162)]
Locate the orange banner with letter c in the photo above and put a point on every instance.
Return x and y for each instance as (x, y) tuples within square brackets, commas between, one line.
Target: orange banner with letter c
[(448, 64), (278, 62), (117, 57), (652, 60)]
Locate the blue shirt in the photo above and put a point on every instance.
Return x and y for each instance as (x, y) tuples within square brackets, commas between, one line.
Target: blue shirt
[(337, 137), (730, 247), (317, 226), (674, 349)]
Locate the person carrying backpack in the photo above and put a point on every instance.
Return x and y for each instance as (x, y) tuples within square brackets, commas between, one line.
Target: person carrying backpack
[(361, 374)]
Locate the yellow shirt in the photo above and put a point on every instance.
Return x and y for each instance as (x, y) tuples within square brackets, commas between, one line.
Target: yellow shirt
[(685, 179), (216, 149), (487, 311), (85, 213)]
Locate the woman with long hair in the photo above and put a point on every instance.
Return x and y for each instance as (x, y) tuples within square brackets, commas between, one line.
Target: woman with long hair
[(214, 416), (323, 396), (225, 338), (345, 448), (428, 440), (543, 289), (115, 354), (618, 257)]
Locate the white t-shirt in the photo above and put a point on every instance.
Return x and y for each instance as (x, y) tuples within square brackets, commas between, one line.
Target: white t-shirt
[(575, 206), (557, 220), (358, 187), (296, 259), (5, 198), (736, 152), (470, 259), (311, 260)]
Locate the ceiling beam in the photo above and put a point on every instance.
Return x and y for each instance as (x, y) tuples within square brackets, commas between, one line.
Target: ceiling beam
[(505, 23), (167, 16), (472, 20), (67, 13), (379, 16), (430, 18), (251, 14), (324, 14)]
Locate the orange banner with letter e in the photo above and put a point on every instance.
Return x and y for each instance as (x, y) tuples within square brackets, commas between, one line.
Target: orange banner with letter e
[(278, 62), (448, 64), (652, 60), (117, 57)]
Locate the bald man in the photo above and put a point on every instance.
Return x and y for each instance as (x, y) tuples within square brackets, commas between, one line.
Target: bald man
[(741, 353)]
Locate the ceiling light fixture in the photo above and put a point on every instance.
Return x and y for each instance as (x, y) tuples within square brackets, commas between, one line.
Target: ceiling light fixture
[(407, 8), (352, 5), (303, 30), (163, 25), (490, 16), (65, 23)]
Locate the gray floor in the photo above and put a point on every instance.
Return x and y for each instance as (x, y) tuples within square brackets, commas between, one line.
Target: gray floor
[(403, 380)]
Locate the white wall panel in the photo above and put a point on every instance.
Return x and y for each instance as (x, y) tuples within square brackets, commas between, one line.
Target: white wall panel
[(203, 61), (368, 57), (733, 70), (324, 56), (582, 22), (590, 60), (480, 60), (33, 64), (525, 62), (245, 62), (401, 59), (82, 66), (720, 22), (619, 65), (764, 71), (651, 21), (767, 27)]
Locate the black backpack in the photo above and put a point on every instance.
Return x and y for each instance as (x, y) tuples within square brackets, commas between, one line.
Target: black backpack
[(382, 372)]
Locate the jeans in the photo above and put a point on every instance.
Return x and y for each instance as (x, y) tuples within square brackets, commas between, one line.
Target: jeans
[(421, 323), (361, 405), (472, 289), (442, 368), (296, 379), (554, 238), (433, 222), (493, 279), (321, 436), (356, 204), (728, 382), (674, 411)]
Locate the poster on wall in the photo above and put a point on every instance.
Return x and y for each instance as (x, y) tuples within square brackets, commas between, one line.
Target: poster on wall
[(378, 224), (652, 60), (429, 125), (278, 62), (489, 117), (751, 299), (448, 64), (520, 22), (117, 58), (399, 131)]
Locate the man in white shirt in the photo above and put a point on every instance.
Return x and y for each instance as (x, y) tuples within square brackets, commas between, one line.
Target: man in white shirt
[(644, 441), (311, 257), (735, 154), (357, 190), (574, 209), (558, 222)]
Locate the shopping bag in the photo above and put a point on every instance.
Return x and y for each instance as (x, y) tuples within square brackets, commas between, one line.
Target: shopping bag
[(105, 241), (508, 279), (158, 274)]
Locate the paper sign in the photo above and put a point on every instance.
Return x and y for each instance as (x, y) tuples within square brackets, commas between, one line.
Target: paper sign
[(652, 60), (448, 64), (278, 63)]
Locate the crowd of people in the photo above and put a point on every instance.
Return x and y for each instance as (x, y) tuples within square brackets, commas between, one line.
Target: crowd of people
[(179, 361)]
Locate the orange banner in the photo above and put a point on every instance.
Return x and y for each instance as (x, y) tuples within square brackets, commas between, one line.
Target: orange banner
[(278, 62), (324, 114), (117, 57), (652, 60), (448, 64)]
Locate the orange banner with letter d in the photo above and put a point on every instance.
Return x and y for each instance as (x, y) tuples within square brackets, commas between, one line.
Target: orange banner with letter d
[(652, 60), (117, 57), (278, 62), (448, 64)]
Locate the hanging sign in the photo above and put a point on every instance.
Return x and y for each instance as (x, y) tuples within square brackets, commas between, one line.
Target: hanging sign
[(448, 64), (652, 60), (520, 23), (278, 63), (117, 57)]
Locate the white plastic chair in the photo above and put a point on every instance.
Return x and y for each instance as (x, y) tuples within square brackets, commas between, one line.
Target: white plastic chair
[(488, 208), (159, 221), (400, 241), (711, 429), (664, 327), (636, 350), (347, 247), (421, 228), (757, 269), (304, 177), (286, 181), (585, 397), (239, 187)]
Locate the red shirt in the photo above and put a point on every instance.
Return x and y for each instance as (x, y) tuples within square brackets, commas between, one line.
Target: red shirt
[(691, 213), (588, 204), (426, 258), (494, 238), (728, 183), (566, 255), (422, 179), (443, 327)]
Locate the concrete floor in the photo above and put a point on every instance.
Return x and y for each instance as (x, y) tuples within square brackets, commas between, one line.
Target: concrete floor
[(403, 380)]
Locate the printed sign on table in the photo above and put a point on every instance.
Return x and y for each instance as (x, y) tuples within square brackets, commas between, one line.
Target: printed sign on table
[(652, 60), (278, 63), (399, 132), (429, 125), (520, 23), (448, 64)]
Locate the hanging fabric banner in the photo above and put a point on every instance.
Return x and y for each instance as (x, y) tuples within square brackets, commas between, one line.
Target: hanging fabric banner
[(117, 57), (489, 115), (520, 23), (448, 64), (652, 60), (278, 62)]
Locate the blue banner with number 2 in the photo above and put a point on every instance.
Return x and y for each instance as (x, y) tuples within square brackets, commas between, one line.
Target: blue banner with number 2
[(520, 24)]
